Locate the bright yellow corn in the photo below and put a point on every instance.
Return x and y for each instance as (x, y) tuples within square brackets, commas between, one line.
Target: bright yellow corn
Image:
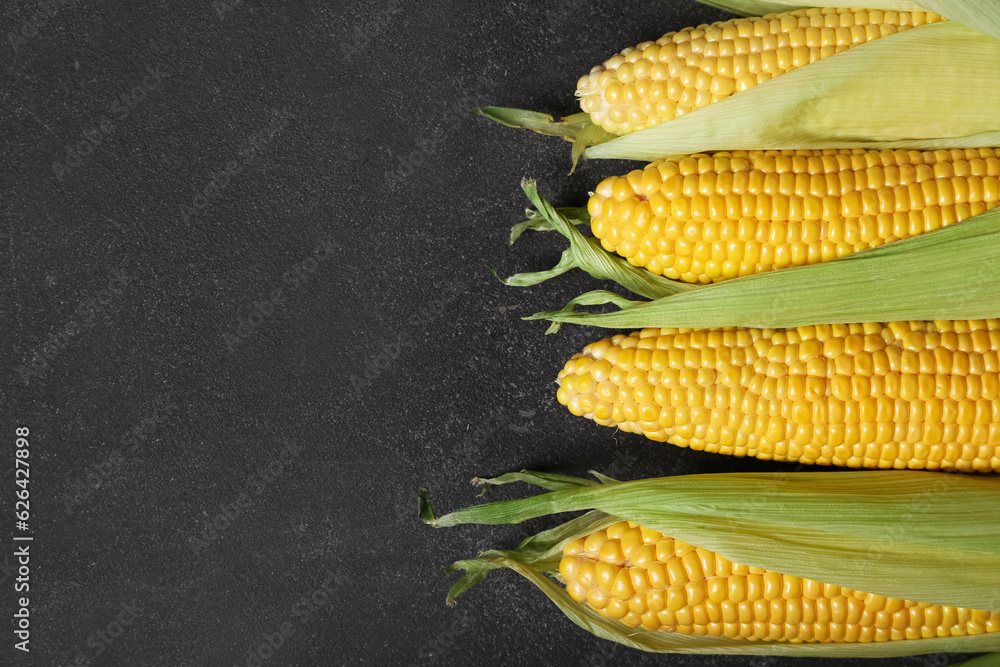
[(643, 578), (920, 395), (683, 71), (705, 218)]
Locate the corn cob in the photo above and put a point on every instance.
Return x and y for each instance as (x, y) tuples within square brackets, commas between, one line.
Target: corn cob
[(705, 218), (864, 564), (643, 578), (920, 395), (686, 70)]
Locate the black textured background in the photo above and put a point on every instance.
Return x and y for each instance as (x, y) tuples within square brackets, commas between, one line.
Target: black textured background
[(321, 310)]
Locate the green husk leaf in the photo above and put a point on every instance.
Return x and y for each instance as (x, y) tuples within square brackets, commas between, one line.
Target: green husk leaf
[(535, 121), (931, 87), (761, 7), (988, 660), (947, 274), (536, 222), (586, 253), (589, 135), (566, 262), (544, 549), (889, 532), (592, 298), (537, 554), (424, 509), (476, 570), (604, 479), (545, 480), (596, 261)]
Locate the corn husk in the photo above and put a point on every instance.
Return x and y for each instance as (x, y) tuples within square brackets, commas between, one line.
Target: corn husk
[(576, 128), (952, 273), (988, 660), (979, 14), (536, 222), (921, 536)]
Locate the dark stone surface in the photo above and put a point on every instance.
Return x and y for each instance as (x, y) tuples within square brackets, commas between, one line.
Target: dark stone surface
[(236, 268)]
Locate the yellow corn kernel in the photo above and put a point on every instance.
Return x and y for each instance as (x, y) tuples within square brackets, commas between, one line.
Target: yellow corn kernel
[(749, 603), (689, 69), (916, 395), (793, 218)]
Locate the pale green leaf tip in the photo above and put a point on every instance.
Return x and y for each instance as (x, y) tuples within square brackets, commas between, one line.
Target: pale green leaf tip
[(493, 112), (489, 113), (515, 233), (602, 478), (553, 327), (481, 483), (504, 281)]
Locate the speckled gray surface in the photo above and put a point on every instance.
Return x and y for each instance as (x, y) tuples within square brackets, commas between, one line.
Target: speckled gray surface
[(250, 317)]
